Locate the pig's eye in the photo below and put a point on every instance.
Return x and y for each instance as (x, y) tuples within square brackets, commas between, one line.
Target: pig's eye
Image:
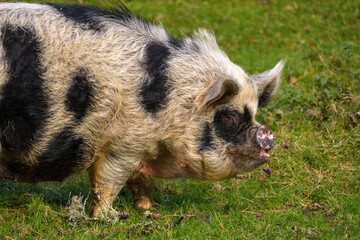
[(230, 124), (230, 118), (227, 120)]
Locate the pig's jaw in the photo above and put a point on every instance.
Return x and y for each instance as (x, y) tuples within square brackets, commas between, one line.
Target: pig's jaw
[(246, 163)]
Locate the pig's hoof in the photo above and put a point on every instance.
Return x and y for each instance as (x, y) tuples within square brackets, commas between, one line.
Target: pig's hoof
[(145, 204)]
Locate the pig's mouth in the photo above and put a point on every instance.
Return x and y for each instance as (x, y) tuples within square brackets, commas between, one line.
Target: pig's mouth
[(263, 157), (258, 159), (251, 159), (254, 153)]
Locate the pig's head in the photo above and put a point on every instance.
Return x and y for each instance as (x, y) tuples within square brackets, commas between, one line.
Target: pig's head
[(223, 131), (213, 105), (231, 140)]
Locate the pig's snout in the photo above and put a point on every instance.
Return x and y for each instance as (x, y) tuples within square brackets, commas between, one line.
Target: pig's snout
[(264, 138)]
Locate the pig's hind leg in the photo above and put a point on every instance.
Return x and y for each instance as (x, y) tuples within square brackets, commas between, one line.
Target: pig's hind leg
[(141, 187)]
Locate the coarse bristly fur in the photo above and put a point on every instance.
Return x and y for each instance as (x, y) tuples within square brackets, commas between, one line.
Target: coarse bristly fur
[(82, 88)]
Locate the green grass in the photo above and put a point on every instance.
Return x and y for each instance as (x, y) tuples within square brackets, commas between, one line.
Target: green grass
[(313, 189)]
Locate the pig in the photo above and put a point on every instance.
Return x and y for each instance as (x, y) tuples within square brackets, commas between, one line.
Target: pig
[(90, 89)]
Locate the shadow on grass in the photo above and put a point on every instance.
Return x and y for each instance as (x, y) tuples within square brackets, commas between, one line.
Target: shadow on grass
[(19, 194)]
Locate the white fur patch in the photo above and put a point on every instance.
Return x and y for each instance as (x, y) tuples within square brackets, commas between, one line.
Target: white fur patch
[(15, 6)]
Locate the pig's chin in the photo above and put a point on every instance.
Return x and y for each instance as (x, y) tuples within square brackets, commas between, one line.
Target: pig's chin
[(260, 159), (251, 161), (263, 157)]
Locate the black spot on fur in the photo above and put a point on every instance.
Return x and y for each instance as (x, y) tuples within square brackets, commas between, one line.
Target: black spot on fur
[(62, 157), (156, 88), (23, 105), (231, 125), (207, 139), (80, 95), (89, 17)]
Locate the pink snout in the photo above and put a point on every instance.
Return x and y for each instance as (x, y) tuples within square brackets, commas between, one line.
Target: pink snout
[(264, 138)]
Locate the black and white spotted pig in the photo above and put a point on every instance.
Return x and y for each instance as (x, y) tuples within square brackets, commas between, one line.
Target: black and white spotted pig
[(82, 88)]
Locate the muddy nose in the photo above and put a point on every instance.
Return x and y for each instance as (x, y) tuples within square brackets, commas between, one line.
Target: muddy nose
[(265, 138)]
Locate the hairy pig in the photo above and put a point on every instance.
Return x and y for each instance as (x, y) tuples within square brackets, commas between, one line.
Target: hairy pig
[(88, 89)]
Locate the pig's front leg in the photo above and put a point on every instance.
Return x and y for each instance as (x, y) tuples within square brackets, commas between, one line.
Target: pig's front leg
[(141, 187), (108, 174)]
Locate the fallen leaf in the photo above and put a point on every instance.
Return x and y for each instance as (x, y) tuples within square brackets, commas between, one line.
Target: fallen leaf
[(312, 46), (241, 176), (123, 215), (293, 79), (268, 171), (312, 113), (222, 227), (216, 187), (314, 207), (287, 144), (355, 116), (289, 7), (201, 217)]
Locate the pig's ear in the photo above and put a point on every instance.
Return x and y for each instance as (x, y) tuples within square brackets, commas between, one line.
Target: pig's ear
[(222, 91), (267, 83)]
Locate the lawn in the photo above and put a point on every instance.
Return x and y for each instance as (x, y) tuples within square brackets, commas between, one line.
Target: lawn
[(310, 188)]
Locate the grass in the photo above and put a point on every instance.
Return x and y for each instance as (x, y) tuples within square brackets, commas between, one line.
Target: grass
[(312, 190)]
